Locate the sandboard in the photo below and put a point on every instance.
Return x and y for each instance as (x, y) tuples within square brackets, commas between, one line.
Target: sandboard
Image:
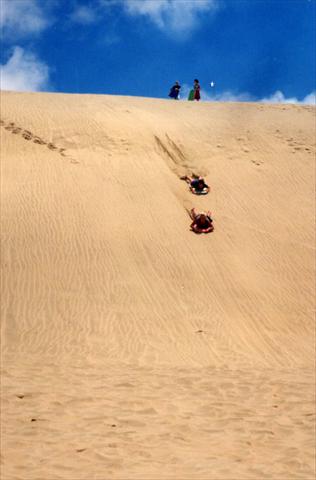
[(201, 192)]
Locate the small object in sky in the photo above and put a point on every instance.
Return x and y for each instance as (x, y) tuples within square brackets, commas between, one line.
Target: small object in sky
[(212, 84)]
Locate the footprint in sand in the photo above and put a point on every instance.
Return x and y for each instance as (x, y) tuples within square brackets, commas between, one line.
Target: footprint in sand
[(27, 135), (10, 126), (17, 130), (51, 146), (39, 141)]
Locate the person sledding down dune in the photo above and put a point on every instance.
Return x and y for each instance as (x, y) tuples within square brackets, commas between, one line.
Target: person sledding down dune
[(202, 222), (197, 184)]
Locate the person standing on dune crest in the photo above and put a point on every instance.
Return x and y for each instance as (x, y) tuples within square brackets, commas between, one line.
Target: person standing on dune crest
[(175, 91)]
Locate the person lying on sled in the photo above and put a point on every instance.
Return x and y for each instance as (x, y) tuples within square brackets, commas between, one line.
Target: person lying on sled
[(202, 222), (197, 184)]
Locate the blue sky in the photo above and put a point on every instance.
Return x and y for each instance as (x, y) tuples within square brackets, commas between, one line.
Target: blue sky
[(258, 50)]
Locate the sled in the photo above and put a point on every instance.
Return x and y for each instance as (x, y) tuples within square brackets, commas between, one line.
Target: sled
[(191, 95)]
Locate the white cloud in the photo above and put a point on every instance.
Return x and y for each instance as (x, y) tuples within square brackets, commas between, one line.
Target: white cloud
[(23, 72), (84, 15), (310, 99), (228, 96), (276, 97), (20, 18), (279, 97), (175, 16), (154, 10)]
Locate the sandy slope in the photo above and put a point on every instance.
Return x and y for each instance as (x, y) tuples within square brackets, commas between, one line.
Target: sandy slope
[(131, 347)]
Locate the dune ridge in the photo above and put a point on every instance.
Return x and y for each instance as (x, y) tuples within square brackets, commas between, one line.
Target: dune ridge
[(131, 347)]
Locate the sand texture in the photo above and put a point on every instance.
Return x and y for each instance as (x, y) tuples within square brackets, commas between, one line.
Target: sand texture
[(132, 348)]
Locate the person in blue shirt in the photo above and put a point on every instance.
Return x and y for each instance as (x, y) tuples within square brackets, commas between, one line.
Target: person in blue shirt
[(197, 184)]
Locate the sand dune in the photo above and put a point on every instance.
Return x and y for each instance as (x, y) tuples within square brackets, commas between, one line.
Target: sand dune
[(131, 347)]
